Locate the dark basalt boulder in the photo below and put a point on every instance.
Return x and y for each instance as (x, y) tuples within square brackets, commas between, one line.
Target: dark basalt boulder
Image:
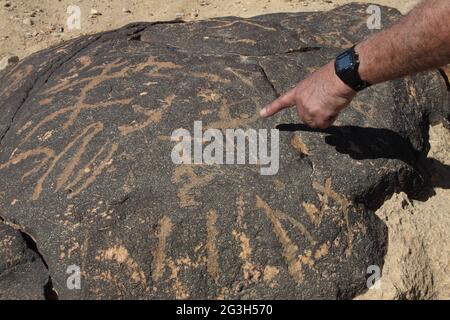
[(86, 169), (23, 275)]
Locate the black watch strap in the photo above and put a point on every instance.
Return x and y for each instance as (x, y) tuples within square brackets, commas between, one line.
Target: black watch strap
[(347, 69)]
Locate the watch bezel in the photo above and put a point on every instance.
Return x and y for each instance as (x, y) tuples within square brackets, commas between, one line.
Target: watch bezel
[(346, 68)]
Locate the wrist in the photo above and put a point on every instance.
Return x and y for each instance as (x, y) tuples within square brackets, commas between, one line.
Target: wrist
[(340, 88), (347, 65), (364, 73)]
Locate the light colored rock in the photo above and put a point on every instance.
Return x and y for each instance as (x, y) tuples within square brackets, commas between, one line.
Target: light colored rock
[(417, 264), (95, 12), (8, 60), (27, 21)]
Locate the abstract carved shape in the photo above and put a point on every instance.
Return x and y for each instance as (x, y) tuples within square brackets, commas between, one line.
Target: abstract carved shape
[(85, 161)]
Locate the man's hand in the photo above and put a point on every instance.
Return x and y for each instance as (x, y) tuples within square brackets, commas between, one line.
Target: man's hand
[(419, 42), (319, 98)]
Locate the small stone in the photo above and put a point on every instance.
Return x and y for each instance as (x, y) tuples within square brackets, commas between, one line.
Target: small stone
[(8, 60), (95, 12), (28, 21), (7, 4), (125, 10), (34, 33), (179, 15)]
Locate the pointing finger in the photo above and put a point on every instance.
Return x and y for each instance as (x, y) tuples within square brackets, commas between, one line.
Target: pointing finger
[(285, 101)]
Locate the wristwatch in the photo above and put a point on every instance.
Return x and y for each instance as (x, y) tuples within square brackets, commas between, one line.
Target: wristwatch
[(346, 66)]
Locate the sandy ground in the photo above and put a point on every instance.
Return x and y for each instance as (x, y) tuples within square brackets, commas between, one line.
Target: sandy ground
[(418, 260), (30, 25)]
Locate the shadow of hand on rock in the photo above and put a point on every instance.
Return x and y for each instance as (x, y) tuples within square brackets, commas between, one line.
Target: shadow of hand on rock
[(374, 143), (363, 143)]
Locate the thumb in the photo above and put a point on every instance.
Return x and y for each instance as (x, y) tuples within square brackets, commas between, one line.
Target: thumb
[(285, 101)]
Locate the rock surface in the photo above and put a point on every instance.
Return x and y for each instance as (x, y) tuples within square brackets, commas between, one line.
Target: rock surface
[(85, 160), (23, 275)]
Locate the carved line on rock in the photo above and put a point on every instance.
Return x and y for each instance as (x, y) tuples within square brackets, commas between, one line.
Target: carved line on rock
[(159, 259)]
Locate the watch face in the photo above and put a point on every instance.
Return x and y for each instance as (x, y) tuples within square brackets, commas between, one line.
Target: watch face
[(346, 67), (345, 62)]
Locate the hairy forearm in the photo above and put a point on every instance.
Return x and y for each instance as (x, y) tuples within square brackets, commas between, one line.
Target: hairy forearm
[(419, 42)]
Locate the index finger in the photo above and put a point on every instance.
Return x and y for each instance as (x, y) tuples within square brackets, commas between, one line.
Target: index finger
[(285, 101)]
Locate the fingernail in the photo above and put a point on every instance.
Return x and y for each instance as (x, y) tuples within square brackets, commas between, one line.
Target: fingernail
[(263, 112)]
